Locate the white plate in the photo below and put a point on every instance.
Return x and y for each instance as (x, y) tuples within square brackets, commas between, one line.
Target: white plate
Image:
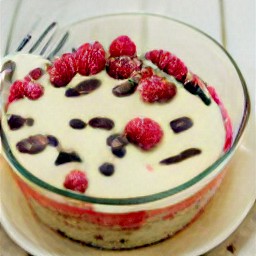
[(221, 217)]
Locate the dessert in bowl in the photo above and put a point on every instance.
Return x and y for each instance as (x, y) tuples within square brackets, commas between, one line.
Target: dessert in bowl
[(122, 142)]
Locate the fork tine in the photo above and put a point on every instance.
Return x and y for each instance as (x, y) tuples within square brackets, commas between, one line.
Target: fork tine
[(59, 46), (46, 45), (44, 34), (23, 43)]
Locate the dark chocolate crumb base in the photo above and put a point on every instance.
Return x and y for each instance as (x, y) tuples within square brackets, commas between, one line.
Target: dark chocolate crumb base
[(122, 241)]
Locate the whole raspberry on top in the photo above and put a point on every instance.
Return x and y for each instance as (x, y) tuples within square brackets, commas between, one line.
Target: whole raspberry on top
[(169, 63), (62, 70), (156, 89), (143, 132), (16, 91), (90, 58), (25, 88), (32, 90), (121, 46), (36, 73), (123, 67), (76, 180)]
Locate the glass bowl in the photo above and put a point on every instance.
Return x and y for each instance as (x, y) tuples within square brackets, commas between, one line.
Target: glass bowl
[(122, 223)]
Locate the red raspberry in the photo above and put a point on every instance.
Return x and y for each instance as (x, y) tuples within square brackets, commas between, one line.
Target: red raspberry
[(90, 58), (169, 63), (32, 90), (146, 72), (36, 73), (76, 180), (122, 45), (62, 70), (143, 132), (122, 67), (156, 89), (16, 91)]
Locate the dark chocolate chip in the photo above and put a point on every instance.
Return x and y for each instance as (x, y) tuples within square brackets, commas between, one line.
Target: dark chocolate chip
[(102, 123), (15, 122), (111, 138), (29, 121), (122, 241), (65, 157), (33, 144), (77, 123), (107, 169), (195, 89), (52, 141), (192, 87), (182, 156), (84, 87), (117, 141), (119, 152), (71, 92), (88, 86), (125, 89), (181, 124)]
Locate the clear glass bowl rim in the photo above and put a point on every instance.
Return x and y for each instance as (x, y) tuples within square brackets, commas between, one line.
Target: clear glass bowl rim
[(160, 195)]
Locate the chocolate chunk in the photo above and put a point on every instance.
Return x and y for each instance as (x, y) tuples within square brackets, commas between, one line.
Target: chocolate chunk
[(71, 92), (88, 86), (15, 122), (33, 144), (107, 169), (181, 124), (195, 89), (84, 87), (182, 156), (29, 121), (117, 140), (111, 138), (77, 124), (102, 123), (125, 89), (119, 152), (65, 157), (52, 141)]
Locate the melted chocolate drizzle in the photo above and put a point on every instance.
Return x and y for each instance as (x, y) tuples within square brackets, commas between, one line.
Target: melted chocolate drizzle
[(182, 156)]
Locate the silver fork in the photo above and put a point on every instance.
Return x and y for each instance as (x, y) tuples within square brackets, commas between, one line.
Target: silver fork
[(45, 45), (47, 36)]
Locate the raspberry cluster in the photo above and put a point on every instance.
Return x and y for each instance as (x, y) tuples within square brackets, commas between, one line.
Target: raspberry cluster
[(169, 63), (25, 88), (89, 59), (123, 61)]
